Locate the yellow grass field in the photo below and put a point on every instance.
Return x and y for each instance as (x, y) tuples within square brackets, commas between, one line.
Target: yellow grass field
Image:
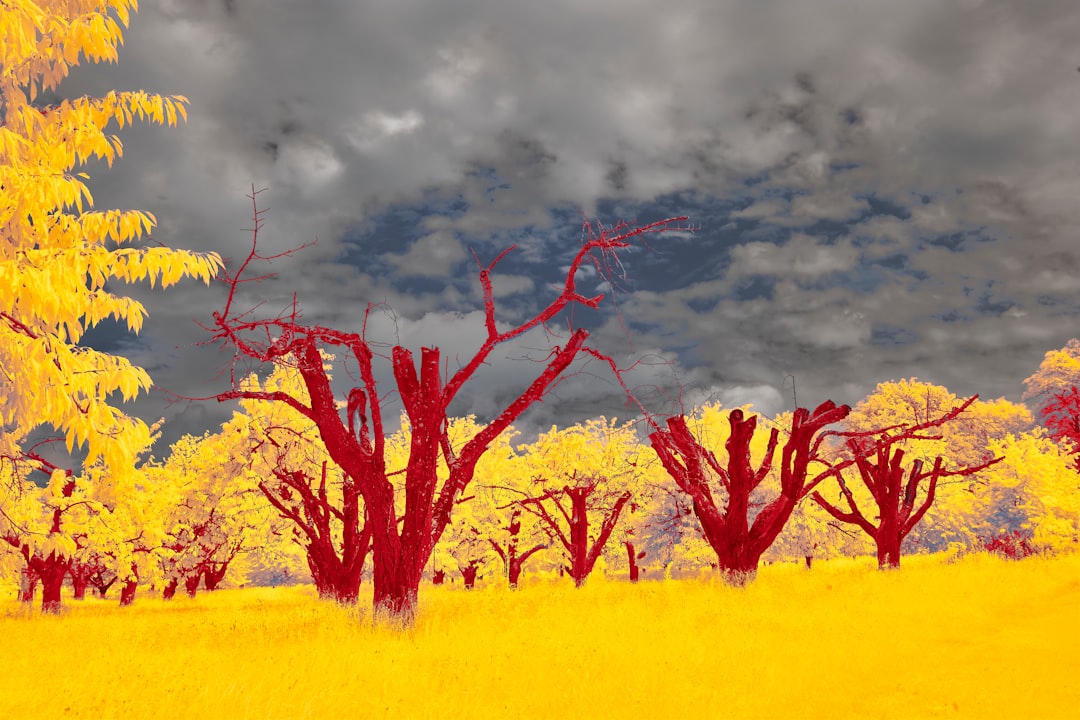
[(978, 638)]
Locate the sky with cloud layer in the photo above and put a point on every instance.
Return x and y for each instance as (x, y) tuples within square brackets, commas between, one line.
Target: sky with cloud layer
[(878, 189)]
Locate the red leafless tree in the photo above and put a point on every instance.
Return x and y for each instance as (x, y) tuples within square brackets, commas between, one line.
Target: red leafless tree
[(355, 439), (571, 505), (884, 478), (738, 543)]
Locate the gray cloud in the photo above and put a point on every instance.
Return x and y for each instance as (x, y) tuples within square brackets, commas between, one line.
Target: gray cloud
[(896, 164)]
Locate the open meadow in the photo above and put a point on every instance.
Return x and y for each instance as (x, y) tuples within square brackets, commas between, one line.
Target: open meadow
[(981, 637)]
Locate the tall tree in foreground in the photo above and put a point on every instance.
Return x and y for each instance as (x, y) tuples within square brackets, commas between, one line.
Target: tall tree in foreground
[(895, 499), (736, 530), (356, 438), (57, 256)]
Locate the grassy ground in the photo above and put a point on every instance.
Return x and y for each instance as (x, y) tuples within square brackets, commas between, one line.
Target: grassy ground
[(980, 638)]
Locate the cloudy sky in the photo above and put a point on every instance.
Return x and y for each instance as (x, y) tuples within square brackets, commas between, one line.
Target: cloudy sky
[(879, 189)]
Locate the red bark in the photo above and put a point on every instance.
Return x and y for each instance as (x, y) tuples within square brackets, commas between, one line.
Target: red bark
[(632, 558), (512, 560), (102, 584), (52, 574), (131, 584), (50, 569), (581, 551), (78, 588), (438, 577), (356, 442), (737, 542), (170, 589), (468, 574), (80, 579), (1061, 416), (191, 584), (895, 501), (28, 582), (336, 571), (213, 574)]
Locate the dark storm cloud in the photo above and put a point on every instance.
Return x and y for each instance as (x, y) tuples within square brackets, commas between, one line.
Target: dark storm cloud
[(882, 189)]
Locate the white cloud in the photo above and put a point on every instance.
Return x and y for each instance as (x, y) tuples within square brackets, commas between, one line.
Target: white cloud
[(802, 255), (431, 256), (377, 127)]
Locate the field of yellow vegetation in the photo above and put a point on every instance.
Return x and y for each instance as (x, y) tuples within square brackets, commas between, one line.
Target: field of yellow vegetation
[(976, 638)]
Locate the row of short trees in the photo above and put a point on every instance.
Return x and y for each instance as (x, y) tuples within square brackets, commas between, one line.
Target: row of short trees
[(320, 461), (721, 488)]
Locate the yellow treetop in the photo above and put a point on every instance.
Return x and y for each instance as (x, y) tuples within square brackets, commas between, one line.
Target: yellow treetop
[(56, 254), (1059, 370)]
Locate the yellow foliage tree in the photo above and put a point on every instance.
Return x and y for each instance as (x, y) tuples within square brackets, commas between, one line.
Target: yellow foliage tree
[(581, 473), (215, 512), (1037, 488), (964, 441), (1059, 370), (56, 254)]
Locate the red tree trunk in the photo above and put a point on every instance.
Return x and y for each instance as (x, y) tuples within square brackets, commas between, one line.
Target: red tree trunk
[(337, 573), (575, 541), (102, 587), (468, 573), (738, 543), (213, 575), (888, 550), (80, 578), (632, 558), (513, 573), (579, 537), (337, 577), (438, 577), (170, 589), (28, 582), (191, 584), (50, 594), (881, 469), (512, 561), (79, 582), (127, 591), (395, 583), (52, 571)]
